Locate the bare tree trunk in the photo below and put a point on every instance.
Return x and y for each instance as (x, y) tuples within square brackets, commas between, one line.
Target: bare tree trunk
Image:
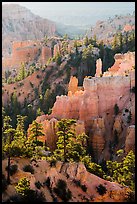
[(8, 170), (64, 149)]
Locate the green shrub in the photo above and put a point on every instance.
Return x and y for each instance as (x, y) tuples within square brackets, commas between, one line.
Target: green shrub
[(4, 183), (28, 168), (32, 196), (84, 188), (47, 182), (38, 77), (129, 117), (78, 183), (13, 169), (21, 84), (61, 184), (62, 191), (133, 89), (130, 196), (38, 143), (53, 163), (31, 84), (116, 109), (101, 189), (38, 184), (25, 194)]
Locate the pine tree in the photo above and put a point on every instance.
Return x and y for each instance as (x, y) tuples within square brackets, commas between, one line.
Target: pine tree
[(64, 132), (36, 130), (23, 187), (123, 172), (115, 42), (70, 147), (58, 58), (6, 126), (22, 72), (20, 123), (19, 142), (86, 42), (10, 132), (120, 42)]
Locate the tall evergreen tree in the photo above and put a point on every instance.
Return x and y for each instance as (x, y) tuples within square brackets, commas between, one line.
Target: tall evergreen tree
[(10, 132), (64, 132), (70, 147), (36, 130), (22, 72)]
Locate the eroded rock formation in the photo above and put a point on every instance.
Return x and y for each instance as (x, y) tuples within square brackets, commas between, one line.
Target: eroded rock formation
[(124, 64), (95, 105), (98, 68), (73, 85), (50, 129), (97, 135)]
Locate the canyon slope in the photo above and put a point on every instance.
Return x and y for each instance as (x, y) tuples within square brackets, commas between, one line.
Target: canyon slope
[(69, 173)]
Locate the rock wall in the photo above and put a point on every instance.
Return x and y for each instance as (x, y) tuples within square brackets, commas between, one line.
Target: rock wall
[(95, 105), (92, 101), (97, 135), (46, 53), (27, 51)]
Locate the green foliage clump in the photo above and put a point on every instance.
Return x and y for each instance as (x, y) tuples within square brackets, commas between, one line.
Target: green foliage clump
[(58, 58), (28, 168), (123, 172), (23, 187), (38, 184), (101, 189), (62, 191), (78, 183), (25, 194), (47, 182), (133, 89), (130, 196), (13, 169), (92, 167)]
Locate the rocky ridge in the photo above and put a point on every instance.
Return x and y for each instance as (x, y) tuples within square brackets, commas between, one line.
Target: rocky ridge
[(69, 172)]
